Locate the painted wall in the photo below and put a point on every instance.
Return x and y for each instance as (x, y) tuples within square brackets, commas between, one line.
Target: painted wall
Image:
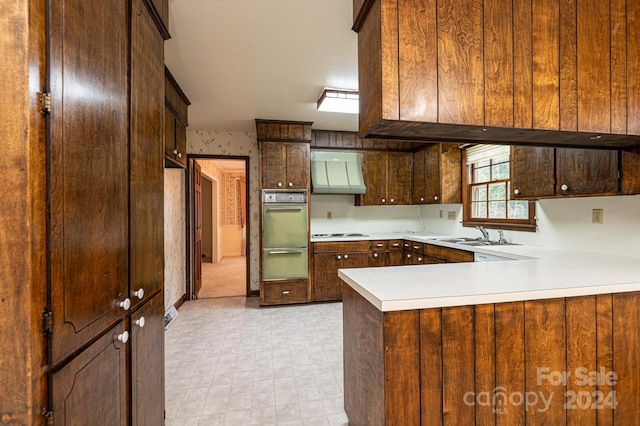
[(562, 223), (174, 236)]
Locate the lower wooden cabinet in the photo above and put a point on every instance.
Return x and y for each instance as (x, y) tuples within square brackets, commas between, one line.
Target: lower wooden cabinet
[(91, 389), (439, 254), (283, 292), (328, 258)]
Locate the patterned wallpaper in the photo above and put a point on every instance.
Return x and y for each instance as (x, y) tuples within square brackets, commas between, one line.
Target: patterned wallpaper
[(211, 142), (174, 236)]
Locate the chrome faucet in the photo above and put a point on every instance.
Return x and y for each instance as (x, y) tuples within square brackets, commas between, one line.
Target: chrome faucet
[(501, 239), (485, 233)]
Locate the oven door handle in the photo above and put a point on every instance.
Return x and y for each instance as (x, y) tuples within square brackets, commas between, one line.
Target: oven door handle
[(284, 209), (284, 251)]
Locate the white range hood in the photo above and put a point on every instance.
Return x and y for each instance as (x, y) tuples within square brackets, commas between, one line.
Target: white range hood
[(336, 172)]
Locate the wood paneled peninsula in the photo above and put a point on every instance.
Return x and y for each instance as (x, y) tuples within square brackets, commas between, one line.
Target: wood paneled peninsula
[(551, 338)]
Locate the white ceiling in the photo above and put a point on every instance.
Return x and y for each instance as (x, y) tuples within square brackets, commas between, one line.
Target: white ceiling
[(238, 60)]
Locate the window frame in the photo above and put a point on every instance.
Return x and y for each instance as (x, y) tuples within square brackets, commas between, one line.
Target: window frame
[(526, 225)]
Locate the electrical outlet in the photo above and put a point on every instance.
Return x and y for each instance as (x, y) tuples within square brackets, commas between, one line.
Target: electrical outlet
[(329, 215), (451, 215), (597, 216), (440, 214)]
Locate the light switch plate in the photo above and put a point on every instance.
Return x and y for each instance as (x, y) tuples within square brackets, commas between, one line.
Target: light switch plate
[(329, 215), (451, 215)]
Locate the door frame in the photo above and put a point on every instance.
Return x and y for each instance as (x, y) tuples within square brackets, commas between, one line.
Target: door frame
[(189, 212)]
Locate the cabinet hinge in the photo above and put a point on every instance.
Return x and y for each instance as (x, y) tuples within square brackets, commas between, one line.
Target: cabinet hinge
[(48, 417), (47, 322), (45, 103)]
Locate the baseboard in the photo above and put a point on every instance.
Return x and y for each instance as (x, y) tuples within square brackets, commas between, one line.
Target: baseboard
[(180, 301), (254, 293)]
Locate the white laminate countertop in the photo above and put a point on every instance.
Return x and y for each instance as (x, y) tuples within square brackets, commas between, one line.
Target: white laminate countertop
[(534, 273)]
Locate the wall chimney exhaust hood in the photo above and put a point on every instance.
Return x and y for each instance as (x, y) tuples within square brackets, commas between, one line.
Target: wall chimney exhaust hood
[(336, 173)]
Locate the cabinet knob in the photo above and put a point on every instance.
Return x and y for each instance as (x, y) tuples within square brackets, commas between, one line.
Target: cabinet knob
[(125, 304), (290, 184), (564, 187), (285, 292), (384, 201), (140, 322), (175, 152), (416, 247), (392, 200), (422, 199), (124, 337), (139, 294), (408, 255), (516, 191), (436, 198), (375, 255), (279, 184), (339, 257), (179, 155), (346, 256), (419, 259)]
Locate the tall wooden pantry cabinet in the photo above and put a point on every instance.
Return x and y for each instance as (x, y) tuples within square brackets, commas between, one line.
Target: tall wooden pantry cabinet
[(86, 311)]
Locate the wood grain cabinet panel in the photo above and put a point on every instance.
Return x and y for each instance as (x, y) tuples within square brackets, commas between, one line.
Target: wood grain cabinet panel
[(532, 172), (539, 72), (477, 365), (387, 176), (587, 171), (88, 169), (176, 122), (328, 258), (284, 292), (437, 175), (285, 165)]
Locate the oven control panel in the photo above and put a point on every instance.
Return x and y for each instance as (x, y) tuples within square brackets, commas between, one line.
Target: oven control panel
[(276, 196)]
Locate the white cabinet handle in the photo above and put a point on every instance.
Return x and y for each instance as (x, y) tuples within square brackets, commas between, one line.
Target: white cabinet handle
[(379, 245), (516, 191), (175, 152), (375, 255), (435, 198), (396, 244), (290, 184), (179, 155), (279, 184), (416, 247), (140, 322), (422, 199), (339, 257), (384, 201), (124, 337), (564, 187), (408, 255), (419, 259), (346, 256), (139, 294), (125, 304), (392, 201), (285, 292)]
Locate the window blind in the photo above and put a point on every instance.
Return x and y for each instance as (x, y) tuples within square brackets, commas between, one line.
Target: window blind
[(484, 152)]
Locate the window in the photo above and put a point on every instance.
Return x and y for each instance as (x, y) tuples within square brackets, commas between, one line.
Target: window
[(487, 191)]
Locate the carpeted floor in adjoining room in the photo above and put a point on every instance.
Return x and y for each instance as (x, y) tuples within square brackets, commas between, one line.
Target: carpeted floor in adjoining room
[(225, 278)]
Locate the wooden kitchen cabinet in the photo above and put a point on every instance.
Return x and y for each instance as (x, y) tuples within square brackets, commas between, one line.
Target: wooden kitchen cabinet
[(328, 258), (176, 121), (159, 10), (439, 254), (476, 71), (542, 172), (437, 175), (285, 165), (387, 176), (283, 292), (386, 253), (284, 153)]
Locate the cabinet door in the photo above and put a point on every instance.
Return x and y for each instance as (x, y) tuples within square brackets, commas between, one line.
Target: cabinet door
[(326, 284), (146, 187), (91, 389), (355, 260), (273, 165), (532, 172), (298, 166), (181, 143), (419, 181), (450, 174), (432, 173), (147, 363), (394, 258), (586, 171), (169, 133), (399, 177), (88, 171), (374, 174), (378, 258)]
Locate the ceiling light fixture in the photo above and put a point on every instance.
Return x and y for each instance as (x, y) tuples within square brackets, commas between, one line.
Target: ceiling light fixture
[(339, 100)]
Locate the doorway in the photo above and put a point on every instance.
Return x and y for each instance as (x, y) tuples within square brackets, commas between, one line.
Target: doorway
[(218, 261)]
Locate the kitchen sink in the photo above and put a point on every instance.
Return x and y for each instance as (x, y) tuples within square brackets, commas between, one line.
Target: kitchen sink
[(466, 241)]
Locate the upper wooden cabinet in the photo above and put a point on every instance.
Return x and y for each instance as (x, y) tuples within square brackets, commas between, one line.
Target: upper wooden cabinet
[(175, 123), (387, 176), (540, 172), (437, 175), (284, 153), (537, 72)]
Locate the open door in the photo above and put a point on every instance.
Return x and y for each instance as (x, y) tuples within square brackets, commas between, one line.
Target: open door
[(197, 229)]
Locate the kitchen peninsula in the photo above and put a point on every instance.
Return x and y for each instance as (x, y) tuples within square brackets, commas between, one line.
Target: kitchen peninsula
[(549, 338)]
